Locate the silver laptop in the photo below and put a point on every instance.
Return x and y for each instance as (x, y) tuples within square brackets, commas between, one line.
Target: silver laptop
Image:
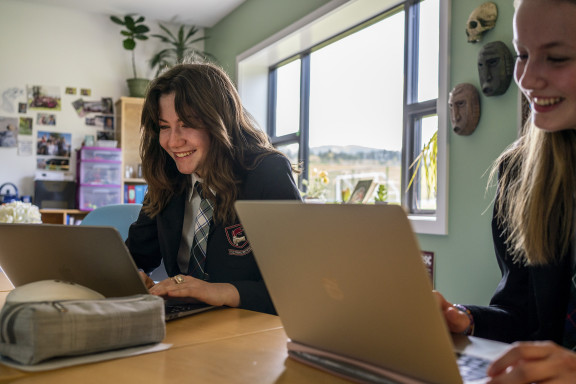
[(93, 256), (354, 296)]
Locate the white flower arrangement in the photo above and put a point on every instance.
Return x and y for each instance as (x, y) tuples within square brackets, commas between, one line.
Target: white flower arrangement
[(19, 212), (317, 185)]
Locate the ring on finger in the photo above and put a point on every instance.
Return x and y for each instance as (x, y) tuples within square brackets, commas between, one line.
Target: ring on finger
[(178, 279)]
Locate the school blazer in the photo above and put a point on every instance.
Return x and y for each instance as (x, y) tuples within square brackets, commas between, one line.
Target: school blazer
[(229, 254), (529, 302)]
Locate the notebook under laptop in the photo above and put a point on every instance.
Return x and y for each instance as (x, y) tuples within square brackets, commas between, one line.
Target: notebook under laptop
[(352, 291), (93, 256)]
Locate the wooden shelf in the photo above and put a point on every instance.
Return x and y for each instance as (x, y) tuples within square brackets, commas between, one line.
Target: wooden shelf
[(62, 216), (128, 116), (133, 180)]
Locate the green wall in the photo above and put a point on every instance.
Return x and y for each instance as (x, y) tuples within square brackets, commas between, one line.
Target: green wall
[(465, 268)]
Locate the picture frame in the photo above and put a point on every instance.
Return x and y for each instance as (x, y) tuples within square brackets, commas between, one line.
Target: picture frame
[(363, 191)]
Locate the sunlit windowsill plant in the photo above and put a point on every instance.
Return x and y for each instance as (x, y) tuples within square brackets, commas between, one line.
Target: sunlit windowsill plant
[(426, 162), (316, 186), (381, 194)]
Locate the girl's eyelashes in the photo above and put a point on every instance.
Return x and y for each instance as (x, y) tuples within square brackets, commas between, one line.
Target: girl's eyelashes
[(557, 59)]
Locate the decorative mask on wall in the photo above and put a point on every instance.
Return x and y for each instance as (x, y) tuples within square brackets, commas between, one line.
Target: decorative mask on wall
[(495, 68), (464, 103), (481, 20)]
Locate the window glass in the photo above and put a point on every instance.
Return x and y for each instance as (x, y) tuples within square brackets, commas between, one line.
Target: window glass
[(428, 48), (288, 98), (291, 151), (356, 106), (426, 178)]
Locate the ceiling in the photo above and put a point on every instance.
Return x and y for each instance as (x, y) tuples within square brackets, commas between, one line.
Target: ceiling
[(202, 13)]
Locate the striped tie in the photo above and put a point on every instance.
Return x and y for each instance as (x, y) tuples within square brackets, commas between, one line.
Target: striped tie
[(201, 230)]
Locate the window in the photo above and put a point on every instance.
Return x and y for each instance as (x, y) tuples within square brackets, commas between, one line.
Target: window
[(362, 102)]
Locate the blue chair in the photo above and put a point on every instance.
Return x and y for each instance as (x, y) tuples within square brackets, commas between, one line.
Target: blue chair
[(120, 216)]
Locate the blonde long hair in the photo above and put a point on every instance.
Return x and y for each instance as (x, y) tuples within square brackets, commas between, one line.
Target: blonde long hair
[(536, 195), (537, 186)]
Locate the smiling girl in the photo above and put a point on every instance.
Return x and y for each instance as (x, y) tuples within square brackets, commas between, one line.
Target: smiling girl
[(534, 213), (196, 133)]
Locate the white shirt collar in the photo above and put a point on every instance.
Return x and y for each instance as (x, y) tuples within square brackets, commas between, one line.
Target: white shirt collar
[(193, 179)]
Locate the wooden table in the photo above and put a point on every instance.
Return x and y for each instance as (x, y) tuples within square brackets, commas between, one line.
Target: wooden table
[(220, 346)]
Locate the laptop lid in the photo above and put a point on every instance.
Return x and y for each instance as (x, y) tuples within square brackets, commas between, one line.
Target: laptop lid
[(92, 256), (349, 279)]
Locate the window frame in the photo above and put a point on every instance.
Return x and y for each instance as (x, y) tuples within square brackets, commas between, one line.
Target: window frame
[(254, 76)]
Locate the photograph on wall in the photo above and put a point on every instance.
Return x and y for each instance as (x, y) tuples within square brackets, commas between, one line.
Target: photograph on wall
[(22, 107), (85, 91), (107, 106), (105, 135), (42, 97), (54, 144), (25, 147), (78, 106), (46, 119), (70, 90), (8, 132), (53, 164), (102, 106), (108, 123), (9, 98), (25, 126)]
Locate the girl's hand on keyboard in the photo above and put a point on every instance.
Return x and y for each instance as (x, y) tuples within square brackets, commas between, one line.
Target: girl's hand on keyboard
[(457, 321), (534, 362)]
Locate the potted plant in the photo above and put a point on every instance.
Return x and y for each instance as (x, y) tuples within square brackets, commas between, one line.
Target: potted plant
[(180, 47), (381, 194), (134, 30), (426, 161)]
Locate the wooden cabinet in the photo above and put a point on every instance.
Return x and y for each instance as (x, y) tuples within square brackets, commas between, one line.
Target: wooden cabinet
[(128, 117), (62, 216)]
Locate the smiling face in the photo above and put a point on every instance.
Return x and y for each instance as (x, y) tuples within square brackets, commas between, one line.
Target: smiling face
[(545, 41), (187, 145)]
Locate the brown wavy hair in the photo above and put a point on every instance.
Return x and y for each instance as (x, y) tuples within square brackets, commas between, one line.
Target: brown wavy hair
[(237, 145)]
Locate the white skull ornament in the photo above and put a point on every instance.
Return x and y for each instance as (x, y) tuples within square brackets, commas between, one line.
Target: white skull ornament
[(481, 20)]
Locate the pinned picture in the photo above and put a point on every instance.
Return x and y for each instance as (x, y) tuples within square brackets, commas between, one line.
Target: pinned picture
[(54, 144), (8, 131), (46, 119), (9, 98), (44, 98), (78, 106), (25, 126), (108, 123)]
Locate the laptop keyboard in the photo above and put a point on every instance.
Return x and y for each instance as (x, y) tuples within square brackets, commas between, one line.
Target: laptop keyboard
[(472, 367), (177, 310)]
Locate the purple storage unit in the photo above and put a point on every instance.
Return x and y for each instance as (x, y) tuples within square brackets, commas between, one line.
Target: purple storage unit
[(99, 174)]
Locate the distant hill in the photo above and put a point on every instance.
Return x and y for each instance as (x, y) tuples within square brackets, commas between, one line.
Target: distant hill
[(347, 149), (355, 152)]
